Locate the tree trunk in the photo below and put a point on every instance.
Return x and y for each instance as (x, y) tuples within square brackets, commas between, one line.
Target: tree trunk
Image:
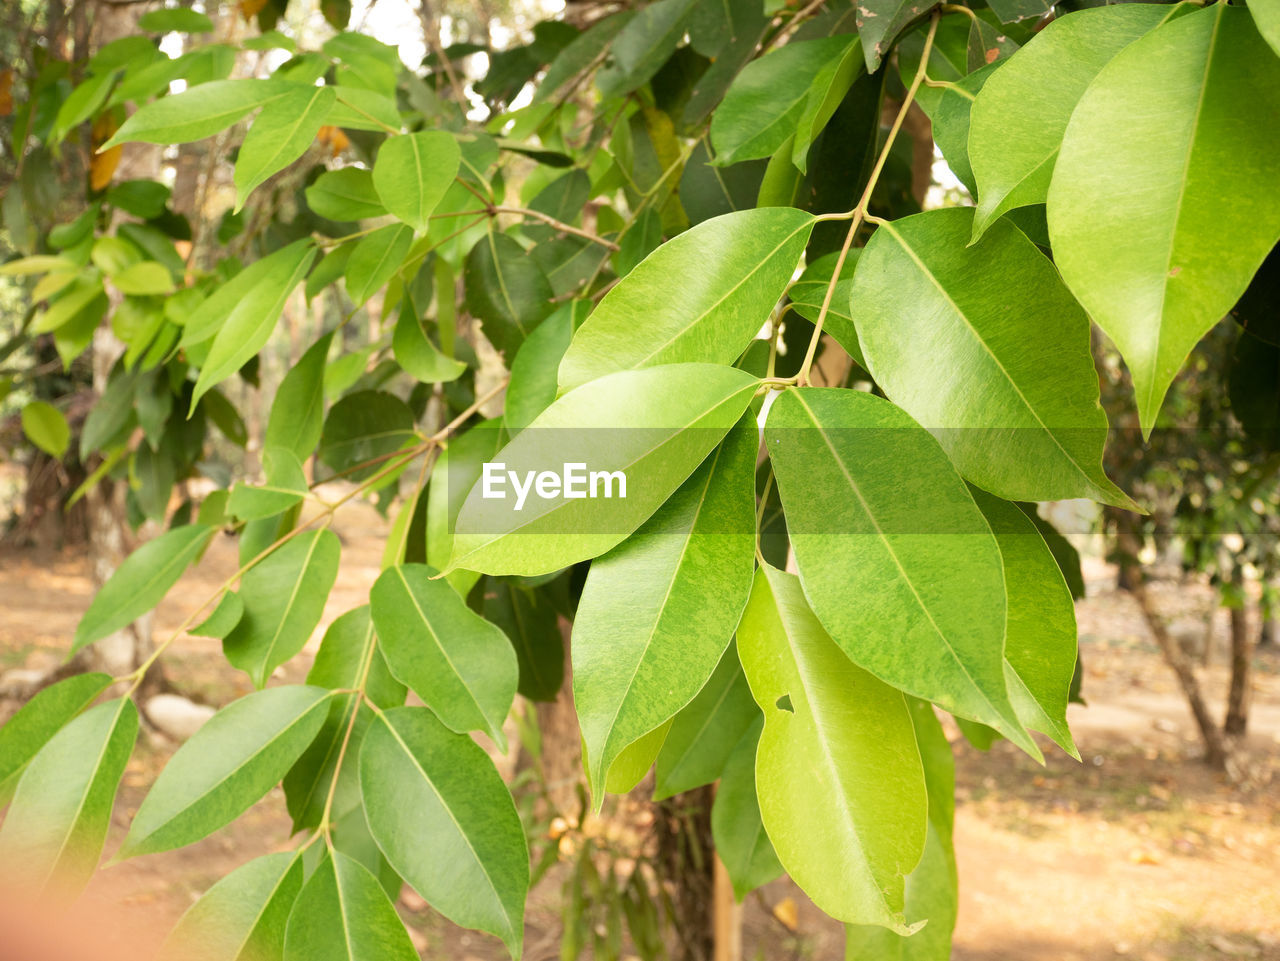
[(1126, 549), (686, 861), (1176, 658), (1241, 693)]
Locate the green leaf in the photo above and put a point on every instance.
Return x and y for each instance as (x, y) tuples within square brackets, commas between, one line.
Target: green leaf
[(280, 135), (456, 472), (212, 314), (141, 582), (643, 45), (506, 290), (83, 102), (931, 888), (343, 914), (580, 53), (27, 731), (362, 427), (654, 426), (249, 325), (180, 19), (533, 372), (46, 427), (412, 173), (838, 750), (346, 194), (374, 260), (223, 619), (297, 412), (285, 486), (1019, 118), (1040, 634), (807, 297), (415, 352), (358, 109), (783, 94), (462, 666), (1266, 17), (705, 732), (951, 120), (879, 23), (198, 112), (897, 560), (532, 625), (284, 597), (704, 296), (741, 841), (1011, 396), (142, 198), (243, 916), (233, 760), (53, 834), (1157, 267), (69, 306), (144, 279), (445, 821), (658, 611)]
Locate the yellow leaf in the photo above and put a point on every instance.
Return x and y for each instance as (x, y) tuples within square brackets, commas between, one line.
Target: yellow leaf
[(250, 8), (6, 92), (787, 912)]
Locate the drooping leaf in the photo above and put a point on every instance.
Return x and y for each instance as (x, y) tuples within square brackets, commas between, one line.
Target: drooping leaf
[(462, 667), (198, 112), (532, 625), (645, 430), (141, 582), (297, 412), (375, 259), (879, 23), (46, 427), (254, 281), (1012, 396), (1040, 636), (223, 619), (30, 729), (658, 611), (838, 750), (506, 290), (412, 173), (1157, 267), (243, 916), (416, 353), (226, 766), (285, 486), (1018, 119), (896, 559), (363, 427), (741, 841), (703, 297), (283, 597), (342, 914), (442, 816), (280, 135), (950, 118), (346, 194), (703, 735), (53, 834)]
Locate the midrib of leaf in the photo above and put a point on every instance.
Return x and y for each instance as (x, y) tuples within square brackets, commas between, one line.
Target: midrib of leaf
[(292, 128), (235, 112), (255, 755), (436, 637), (990, 353), (449, 810), (88, 789), (666, 597), (293, 597), (857, 492), (333, 748), (723, 297), (502, 283), (342, 909), (417, 170), (382, 257), (1177, 207)]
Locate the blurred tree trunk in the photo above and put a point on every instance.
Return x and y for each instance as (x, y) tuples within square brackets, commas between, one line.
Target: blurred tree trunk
[(1241, 693), (686, 861)]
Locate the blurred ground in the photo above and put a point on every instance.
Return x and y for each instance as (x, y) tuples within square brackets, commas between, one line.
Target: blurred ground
[(1139, 852)]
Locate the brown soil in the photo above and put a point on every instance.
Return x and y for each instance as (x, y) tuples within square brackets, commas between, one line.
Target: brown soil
[(1138, 852)]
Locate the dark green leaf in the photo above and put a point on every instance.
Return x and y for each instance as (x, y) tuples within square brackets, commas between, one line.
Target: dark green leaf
[(741, 841), (506, 290), (361, 427)]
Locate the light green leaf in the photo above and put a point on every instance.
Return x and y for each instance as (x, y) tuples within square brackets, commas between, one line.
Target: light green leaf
[(634, 761), (412, 173), (1012, 396), (284, 597), (806, 298), (280, 135), (415, 352), (249, 325), (1018, 119), (456, 472), (1157, 267), (232, 761), (897, 560), (181, 19), (658, 611), (27, 731), (1266, 17), (53, 834), (703, 296), (343, 914), (357, 109), (69, 306), (243, 916), (445, 821), (212, 313), (223, 619), (141, 582), (704, 734), (1040, 636), (297, 412), (375, 258), (144, 278), (82, 103), (838, 751), (462, 666), (533, 372), (285, 486), (198, 112), (931, 889), (46, 427), (38, 264), (506, 290), (652, 426), (741, 841), (345, 194)]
